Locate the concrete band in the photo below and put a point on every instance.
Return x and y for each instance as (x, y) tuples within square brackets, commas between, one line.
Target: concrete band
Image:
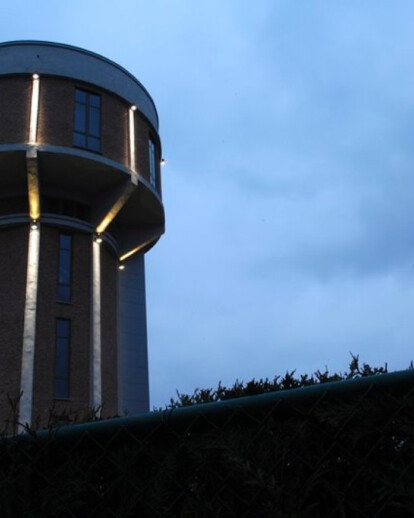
[(106, 165)]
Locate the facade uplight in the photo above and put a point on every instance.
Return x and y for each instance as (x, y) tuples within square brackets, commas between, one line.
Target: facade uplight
[(98, 239), (34, 109), (34, 224), (132, 163), (121, 266)]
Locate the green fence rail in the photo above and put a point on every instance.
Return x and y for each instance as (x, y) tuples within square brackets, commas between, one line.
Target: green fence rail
[(336, 449)]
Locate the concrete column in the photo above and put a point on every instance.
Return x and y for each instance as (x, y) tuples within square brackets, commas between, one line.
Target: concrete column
[(96, 327), (29, 328), (132, 338)]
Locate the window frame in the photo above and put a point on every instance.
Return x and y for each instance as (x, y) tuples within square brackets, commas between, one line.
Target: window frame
[(58, 379), (82, 117), (61, 285), (152, 155)]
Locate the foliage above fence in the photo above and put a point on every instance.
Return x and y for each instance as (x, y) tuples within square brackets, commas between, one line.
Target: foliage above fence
[(335, 449), (288, 381)]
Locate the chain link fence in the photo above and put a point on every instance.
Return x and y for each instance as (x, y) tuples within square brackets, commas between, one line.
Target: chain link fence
[(341, 449)]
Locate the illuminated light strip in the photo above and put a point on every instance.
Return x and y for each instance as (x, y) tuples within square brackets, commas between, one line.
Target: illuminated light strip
[(132, 138), (96, 328), (138, 248), (33, 184), (29, 330), (34, 110), (120, 202)]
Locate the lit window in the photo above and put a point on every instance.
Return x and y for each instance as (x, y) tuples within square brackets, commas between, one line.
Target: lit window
[(61, 381), (64, 292), (87, 132), (152, 167)]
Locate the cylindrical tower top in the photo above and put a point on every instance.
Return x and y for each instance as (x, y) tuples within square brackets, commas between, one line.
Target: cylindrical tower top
[(56, 59), (90, 131)]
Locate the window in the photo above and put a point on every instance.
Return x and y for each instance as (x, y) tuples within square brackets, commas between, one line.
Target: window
[(64, 291), (65, 207), (87, 132), (152, 162), (61, 381)]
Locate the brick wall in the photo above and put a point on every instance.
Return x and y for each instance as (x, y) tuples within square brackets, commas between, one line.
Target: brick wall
[(14, 205), (56, 112), (78, 312), (13, 269), (115, 139), (15, 96), (142, 135), (56, 119)]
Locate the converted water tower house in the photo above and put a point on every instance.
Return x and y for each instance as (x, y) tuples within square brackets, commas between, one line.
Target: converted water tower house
[(80, 204)]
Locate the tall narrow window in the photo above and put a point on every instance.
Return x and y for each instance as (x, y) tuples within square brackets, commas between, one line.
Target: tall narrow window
[(152, 166), (61, 381), (87, 132), (64, 291)]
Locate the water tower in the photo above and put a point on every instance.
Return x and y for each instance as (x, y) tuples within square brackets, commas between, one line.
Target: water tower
[(80, 205)]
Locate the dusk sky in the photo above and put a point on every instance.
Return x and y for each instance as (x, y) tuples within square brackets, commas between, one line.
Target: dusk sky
[(288, 130)]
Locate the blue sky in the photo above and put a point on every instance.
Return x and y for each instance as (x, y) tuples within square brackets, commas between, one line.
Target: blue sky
[(288, 130)]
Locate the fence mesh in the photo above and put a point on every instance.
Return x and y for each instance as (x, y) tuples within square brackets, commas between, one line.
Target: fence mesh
[(344, 449)]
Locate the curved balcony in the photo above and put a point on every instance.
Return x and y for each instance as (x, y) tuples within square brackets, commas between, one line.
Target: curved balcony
[(118, 177)]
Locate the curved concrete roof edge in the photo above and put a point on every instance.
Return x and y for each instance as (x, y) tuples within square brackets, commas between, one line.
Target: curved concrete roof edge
[(133, 90)]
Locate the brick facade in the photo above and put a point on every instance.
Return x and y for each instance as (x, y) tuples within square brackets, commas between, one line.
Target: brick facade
[(56, 118), (77, 311), (15, 95), (77, 186), (13, 264)]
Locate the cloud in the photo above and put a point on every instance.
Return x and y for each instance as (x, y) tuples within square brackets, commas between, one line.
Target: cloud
[(291, 222)]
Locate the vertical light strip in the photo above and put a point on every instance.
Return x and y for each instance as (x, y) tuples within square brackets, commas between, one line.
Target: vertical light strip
[(138, 248), (122, 198), (29, 328), (34, 110), (96, 328), (33, 183), (132, 137)]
